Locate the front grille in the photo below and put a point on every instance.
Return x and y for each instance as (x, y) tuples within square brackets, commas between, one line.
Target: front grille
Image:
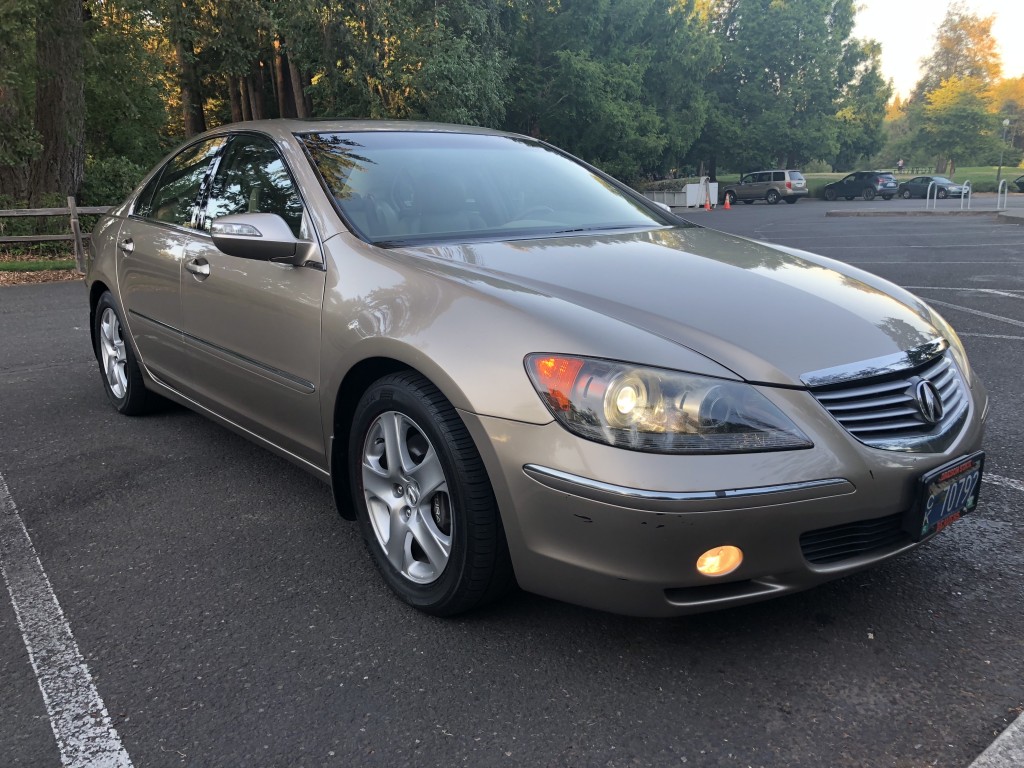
[(840, 542), (882, 411)]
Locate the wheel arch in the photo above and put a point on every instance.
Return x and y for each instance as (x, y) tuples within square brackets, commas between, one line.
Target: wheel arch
[(97, 289)]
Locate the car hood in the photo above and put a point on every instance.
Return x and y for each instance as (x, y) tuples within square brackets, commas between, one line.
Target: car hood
[(767, 314)]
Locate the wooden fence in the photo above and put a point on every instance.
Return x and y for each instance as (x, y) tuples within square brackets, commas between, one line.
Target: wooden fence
[(76, 236)]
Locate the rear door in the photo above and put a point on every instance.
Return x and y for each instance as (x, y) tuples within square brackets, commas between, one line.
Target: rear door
[(151, 247), (252, 327)]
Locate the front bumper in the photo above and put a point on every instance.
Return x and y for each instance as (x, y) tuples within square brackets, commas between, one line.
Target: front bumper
[(621, 531)]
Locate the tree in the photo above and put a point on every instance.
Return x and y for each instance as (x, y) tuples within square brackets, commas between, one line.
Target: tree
[(781, 77), (19, 140), (862, 105), (957, 121), (964, 48), (619, 84)]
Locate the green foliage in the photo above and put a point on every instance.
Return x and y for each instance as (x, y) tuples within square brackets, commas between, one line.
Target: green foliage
[(109, 180), (19, 140), (861, 105)]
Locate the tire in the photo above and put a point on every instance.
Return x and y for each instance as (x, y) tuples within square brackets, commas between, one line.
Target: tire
[(942, 193), (119, 367), (869, 193), (452, 555), (772, 197), (791, 200), (830, 195), (731, 197), (887, 197), (905, 194)]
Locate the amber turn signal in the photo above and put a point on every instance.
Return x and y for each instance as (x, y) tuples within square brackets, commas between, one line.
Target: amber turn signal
[(718, 561)]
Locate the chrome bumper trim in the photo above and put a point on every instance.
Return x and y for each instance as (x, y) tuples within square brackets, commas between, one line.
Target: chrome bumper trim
[(644, 499)]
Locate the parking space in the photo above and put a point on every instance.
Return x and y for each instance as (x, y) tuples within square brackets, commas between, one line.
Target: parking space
[(228, 616)]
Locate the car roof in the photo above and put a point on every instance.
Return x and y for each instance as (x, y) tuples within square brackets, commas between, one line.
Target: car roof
[(283, 128)]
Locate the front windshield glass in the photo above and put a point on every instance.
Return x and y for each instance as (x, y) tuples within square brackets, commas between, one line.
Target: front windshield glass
[(941, 180), (405, 187)]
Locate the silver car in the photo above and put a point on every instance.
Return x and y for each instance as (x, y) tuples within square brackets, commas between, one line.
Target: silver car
[(511, 368)]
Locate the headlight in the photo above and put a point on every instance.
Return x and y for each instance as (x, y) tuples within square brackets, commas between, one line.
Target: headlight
[(956, 347), (659, 411)]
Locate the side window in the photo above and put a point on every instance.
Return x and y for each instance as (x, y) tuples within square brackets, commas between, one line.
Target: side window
[(762, 177), (180, 182), (778, 175), (253, 178), (851, 177), (748, 179), (144, 202)]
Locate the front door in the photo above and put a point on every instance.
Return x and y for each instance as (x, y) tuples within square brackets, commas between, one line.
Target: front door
[(252, 327)]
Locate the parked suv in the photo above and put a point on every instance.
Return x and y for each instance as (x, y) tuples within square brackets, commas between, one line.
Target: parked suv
[(770, 186), (864, 184)]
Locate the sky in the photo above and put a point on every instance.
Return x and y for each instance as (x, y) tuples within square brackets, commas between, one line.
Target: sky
[(906, 29)]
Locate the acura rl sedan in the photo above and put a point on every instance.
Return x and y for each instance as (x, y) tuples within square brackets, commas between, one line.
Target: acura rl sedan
[(512, 368)]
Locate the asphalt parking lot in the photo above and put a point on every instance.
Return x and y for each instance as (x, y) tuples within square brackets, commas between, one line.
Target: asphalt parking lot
[(226, 616)]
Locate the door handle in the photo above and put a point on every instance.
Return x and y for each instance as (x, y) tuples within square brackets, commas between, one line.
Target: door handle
[(198, 267), (127, 246)]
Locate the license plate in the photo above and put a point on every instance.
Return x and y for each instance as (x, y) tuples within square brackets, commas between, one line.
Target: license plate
[(945, 495)]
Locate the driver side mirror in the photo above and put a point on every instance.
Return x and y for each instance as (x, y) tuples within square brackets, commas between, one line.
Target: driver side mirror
[(260, 236)]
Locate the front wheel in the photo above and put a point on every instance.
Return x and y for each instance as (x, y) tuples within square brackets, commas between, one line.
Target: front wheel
[(905, 194), (830, 195), (942, 194), (119, 369), (730, 197), (772, 197), (423, 499)]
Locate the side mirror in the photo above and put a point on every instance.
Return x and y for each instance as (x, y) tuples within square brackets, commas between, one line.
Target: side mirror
[(260, 236)]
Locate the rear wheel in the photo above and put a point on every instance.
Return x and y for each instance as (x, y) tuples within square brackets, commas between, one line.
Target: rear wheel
[(424, 503), (772, 197), (869, 193), (122, 379)]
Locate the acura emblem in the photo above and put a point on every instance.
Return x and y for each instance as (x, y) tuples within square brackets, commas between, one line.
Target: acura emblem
[(929, 401)]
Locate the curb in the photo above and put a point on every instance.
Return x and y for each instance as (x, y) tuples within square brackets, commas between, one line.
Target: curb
[(1007, 751), (921, 213)]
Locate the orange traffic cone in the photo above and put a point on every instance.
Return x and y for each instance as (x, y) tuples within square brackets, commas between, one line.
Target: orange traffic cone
[(727, 206), (707, 203)]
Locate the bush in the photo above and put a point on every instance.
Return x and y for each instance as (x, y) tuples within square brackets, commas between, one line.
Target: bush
[(109, 180)]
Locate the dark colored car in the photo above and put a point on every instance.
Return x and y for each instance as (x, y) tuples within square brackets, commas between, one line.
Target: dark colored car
[(1019, 181), (770, 186), (918, 187), (866, 184)]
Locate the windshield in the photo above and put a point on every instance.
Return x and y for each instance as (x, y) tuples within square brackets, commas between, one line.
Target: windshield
[(941, 180), (404, 187)]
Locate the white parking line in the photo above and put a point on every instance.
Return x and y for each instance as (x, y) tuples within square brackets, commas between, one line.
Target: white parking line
[(1010, 293), (978, 312), (992, 336), (1006, 482), (85, 736)]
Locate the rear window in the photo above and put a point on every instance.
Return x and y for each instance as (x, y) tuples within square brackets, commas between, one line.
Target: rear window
[(796, 176)]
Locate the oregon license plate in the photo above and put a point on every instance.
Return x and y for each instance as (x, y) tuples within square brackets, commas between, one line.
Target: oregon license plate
[(946, 494)]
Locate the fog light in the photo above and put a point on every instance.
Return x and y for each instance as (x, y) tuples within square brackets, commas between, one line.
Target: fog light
[(718, 561)]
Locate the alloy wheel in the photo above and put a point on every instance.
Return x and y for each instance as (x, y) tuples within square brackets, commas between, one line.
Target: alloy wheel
[(407, 497), (112, 351)]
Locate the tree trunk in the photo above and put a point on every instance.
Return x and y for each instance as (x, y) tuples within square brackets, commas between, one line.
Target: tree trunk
[(280, 86), (191, 99), (60, 100), (298, 92), (243, 97), (236, 101)]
